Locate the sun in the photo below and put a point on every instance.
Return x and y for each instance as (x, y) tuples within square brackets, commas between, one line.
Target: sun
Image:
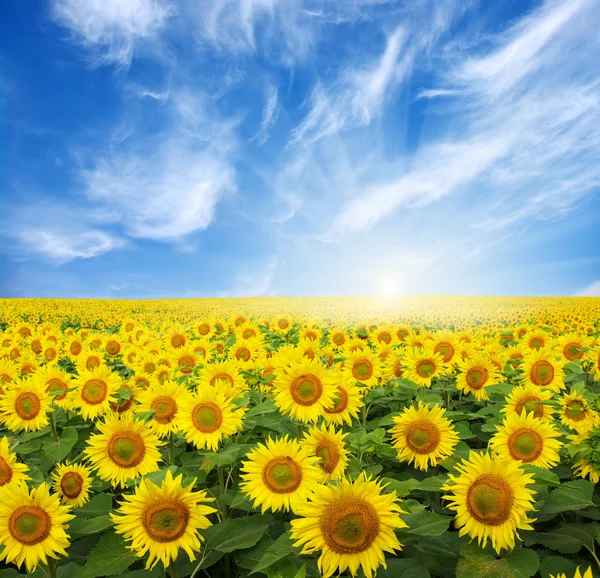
[(388, 287)]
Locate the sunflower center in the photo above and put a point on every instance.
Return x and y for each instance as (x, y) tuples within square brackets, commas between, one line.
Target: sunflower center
[(92, 362), (530, 404), (576, 410), (178, 340), (349, 526), (339, 339), (490, 500), (126, 449), (536, 343), (204, 329), (27, 369), (329, 454), (55, 384), (29, 525), (423, 436), (425, 368), (477, 377), (113, 347), (248, 333), (243, 354), (149, 367), (207, 417), (340, 402), (27, 405), (5, 377), (165, 409), (223, 376), (6, 472), (573, 351), (165, 520), (362, 370), (36, 346), (186, 364), (525, 445), (71, 485), (94, 391), (306, 389), (542, 372), (283, 324), (385, 337), (282, 475), (129, 327), (445, 349)]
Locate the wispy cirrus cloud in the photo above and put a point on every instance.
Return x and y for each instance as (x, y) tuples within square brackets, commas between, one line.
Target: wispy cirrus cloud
[(111, 28), (534, 153), (270, 114), (56, 232), (591, 290)]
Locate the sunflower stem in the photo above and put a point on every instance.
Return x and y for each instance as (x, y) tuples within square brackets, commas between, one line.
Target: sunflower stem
[(174, 569), (51, 568), (172, 448), (223, 488), (53, 426)]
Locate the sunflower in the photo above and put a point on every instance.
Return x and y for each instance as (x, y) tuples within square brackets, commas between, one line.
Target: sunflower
[(72, 482), (529, 399), (27, 364), (25, 406), (95, 391), (8, 372), (224, 373), (176, 336), (55, 380), (364, 366), (491, 499), (158, 521), (352, 525), (304, 390), (540, 368), (446, 344), (73, 347), (422, 365), (347, 401), (279, 475), (477, 373), (145, 362), (89, 360), (32, 526), (328, 446), (423, 436), (11, 471), (125, 449), (338, 336), (184, 360), (537, 339), (163, 399), (587, 574), (207, 416), (246, 351), (527, 439), (584, 447), (112, 345), (570, 346), (576, 413)]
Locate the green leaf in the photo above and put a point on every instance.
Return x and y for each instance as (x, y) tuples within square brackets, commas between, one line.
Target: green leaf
[(59, 450), (110, 557), (568, 538), (402, 488), (97, 506), (569, 496), (280, 549), (242, 502), (84, 526), (403, 568), (555, 565), (542, 476), (237, 534), (425, 523), (475, 563), (463, 430), (432, 484), (158, 572), (262, 408)]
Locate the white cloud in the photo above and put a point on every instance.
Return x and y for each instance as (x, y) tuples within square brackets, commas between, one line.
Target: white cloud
[(591, 290), (270, 114), (56, 232), (112, 27), (165, 194), (255, 283), (533, 154)]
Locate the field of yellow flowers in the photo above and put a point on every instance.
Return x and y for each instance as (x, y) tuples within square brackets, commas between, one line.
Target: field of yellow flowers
[(296, 438)]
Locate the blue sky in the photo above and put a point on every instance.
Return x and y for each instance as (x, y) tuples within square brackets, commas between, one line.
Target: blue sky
[(162, 148)]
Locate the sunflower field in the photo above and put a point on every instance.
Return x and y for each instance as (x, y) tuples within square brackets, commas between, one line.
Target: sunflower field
[(297, 438)]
